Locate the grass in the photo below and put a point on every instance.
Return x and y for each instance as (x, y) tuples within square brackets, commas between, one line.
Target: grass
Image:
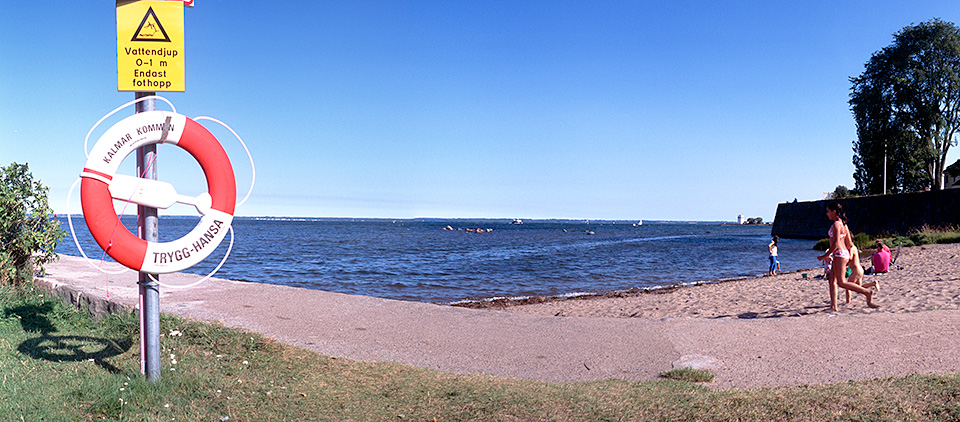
[(927, 235), (688, 374), (57, 364)]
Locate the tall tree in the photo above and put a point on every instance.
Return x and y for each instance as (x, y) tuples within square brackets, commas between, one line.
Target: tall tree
[(907, 108)]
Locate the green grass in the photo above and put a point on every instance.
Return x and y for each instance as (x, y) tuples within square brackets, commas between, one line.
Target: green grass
[(56, 364), (688, 374)]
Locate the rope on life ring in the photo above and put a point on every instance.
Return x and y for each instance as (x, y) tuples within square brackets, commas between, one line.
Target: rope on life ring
[(100, 184)]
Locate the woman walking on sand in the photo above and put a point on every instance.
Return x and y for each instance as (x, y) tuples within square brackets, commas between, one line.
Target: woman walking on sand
[(840, 244)]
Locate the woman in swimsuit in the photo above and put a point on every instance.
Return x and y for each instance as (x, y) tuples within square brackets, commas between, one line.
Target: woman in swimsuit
[(840, 245)]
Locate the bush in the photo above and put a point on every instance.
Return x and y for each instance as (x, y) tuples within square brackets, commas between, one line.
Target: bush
[(822, 245), (903, 241), (924, 236), (28, 236), (861, 240)]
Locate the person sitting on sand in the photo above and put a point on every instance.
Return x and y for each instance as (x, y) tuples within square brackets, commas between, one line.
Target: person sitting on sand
[(840, 244), (772, 247), (881, 258)]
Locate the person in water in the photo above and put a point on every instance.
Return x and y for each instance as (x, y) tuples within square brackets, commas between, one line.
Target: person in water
[(840, 244)]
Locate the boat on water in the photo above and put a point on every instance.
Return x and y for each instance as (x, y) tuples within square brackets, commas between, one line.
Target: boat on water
[(638, 224), (516, 221)]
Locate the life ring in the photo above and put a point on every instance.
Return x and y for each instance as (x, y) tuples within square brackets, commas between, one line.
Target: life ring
[(100, 170)]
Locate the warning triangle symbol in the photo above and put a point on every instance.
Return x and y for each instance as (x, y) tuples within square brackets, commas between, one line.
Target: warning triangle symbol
[(150, 29)]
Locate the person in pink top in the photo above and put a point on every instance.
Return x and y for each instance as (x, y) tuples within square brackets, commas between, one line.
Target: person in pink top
[(881, 258)]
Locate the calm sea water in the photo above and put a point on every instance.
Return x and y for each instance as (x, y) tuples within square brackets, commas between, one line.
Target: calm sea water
[(417, 260)]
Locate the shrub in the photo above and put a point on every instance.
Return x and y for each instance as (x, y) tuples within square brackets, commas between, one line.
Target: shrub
[(904, 241), (862, 241), (924, 236), (822, 245), (28, 236)]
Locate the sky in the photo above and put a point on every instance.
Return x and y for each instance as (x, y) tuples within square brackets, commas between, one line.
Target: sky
[(653, 110)]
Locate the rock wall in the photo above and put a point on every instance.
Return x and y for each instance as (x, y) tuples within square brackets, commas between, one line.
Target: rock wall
[(878, 214), (97, 306)]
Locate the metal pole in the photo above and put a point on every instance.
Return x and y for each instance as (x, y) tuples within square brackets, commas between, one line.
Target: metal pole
[(147, 227), (884, 167)]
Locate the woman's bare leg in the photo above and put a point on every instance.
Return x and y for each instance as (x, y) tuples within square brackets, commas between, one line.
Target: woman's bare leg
[(837, 278)]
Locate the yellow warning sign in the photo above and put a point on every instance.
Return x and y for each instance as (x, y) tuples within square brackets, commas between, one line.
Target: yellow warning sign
[(150, 46)]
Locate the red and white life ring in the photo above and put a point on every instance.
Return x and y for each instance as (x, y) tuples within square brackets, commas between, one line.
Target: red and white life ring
[(95, 197)]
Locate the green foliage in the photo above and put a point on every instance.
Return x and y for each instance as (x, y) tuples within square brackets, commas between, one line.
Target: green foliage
[(841, 192), (28, 235), (863, 241), (860, 240), (923, 236), (907, 108), (903, 241), (822, 245), (929, 235)]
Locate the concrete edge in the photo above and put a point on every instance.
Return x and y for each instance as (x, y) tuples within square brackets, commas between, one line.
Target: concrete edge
[(97, 307)]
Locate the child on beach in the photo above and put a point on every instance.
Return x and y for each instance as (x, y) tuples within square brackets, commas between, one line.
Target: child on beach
[(774, 265), (856, 272)]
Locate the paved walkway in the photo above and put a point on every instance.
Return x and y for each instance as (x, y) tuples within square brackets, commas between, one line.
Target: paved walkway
[(742, 353)]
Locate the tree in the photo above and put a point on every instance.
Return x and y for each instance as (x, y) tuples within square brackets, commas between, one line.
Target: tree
[(907, 108), (28, 235), (841, 192)]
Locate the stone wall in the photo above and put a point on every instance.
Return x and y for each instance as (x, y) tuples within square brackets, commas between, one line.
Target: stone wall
[(878, 214)]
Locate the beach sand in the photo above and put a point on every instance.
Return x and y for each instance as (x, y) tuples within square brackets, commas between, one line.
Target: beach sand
[(929, 279), (746, 332)]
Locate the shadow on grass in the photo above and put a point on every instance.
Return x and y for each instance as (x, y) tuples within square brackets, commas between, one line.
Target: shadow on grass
[(33, 318), (57, 348), (75, 349)]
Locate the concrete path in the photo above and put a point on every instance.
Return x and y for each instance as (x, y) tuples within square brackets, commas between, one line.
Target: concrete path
[(742, 353)]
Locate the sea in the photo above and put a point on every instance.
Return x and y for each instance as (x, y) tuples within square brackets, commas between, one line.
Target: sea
[(449, 261)]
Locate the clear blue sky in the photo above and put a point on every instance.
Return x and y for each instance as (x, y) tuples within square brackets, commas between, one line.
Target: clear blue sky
[(676, 110)]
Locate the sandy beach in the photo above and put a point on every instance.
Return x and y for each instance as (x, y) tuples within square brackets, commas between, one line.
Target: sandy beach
[(929, 279), (762, 332)]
